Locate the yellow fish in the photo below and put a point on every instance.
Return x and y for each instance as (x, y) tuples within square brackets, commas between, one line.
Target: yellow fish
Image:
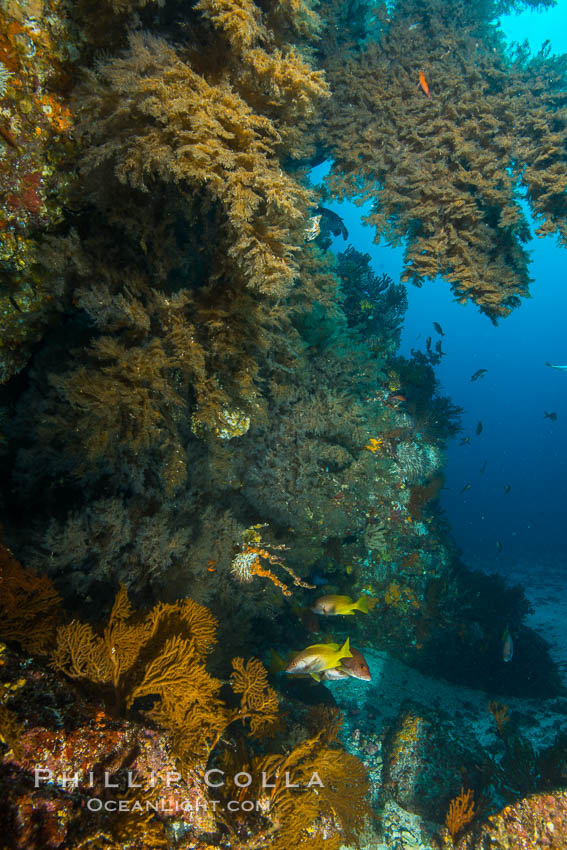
[(321, 656), (329, 606), (355, 667), (279, 662)]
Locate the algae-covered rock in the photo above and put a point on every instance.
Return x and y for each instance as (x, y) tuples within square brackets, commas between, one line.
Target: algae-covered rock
[(425, 755), (538, 822)]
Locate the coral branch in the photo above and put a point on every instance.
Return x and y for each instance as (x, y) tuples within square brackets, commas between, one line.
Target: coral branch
[(247, 564), (461, 812)]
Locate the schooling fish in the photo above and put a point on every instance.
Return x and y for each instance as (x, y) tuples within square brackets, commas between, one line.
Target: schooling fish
[(480, 373), (498, 546), (552, 366), (465, 441), (330, 606), (438, 328), (465, 488), (483, 468), (552, 415), (478, 429), (507, 645), (321, 656), (507, 488), (355, 668), (423, 84)]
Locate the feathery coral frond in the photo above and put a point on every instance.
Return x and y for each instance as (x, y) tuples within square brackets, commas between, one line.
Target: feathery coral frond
[(259, 702), (341, 789), (81, 653), (461, 812), (29, 605), (151, 115), (446, 170), (239, 20)]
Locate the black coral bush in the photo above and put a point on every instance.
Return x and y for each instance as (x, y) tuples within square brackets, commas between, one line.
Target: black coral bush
[(150, 117), (446, 169)]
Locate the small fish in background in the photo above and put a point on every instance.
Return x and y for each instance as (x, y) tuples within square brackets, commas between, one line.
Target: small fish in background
[(423, 84), (478, 429), (552, 415), (553, 366), (319, 579), (480, 373), (498, 546), (507, 488), (318, 657), (438, 348), (482, 469), (331, 606), (507, 645), (438, 328), (354, 668), (465, 488), (466, 441)]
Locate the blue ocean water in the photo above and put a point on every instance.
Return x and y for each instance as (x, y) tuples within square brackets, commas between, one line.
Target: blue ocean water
[(519, 449)]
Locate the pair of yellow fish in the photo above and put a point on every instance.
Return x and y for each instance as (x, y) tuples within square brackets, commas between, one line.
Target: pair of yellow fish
[(329, 661)]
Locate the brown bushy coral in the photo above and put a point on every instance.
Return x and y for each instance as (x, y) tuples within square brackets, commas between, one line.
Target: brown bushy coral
[(196, 222), (295, 815), (29, 605), (187, 224), (162, 656), (149, 115), (444, 171)]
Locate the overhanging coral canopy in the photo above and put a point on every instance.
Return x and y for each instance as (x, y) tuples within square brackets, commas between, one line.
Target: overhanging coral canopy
[(446, 162)]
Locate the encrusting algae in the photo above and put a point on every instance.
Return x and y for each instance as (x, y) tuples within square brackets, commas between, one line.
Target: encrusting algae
[(36, 158)]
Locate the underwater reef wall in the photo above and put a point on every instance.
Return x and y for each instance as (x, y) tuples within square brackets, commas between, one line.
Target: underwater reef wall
[(200, 400), (37, 52), (218, 410)]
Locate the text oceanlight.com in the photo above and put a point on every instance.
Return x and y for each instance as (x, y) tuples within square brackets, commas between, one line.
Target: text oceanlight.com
[(172, 807)]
